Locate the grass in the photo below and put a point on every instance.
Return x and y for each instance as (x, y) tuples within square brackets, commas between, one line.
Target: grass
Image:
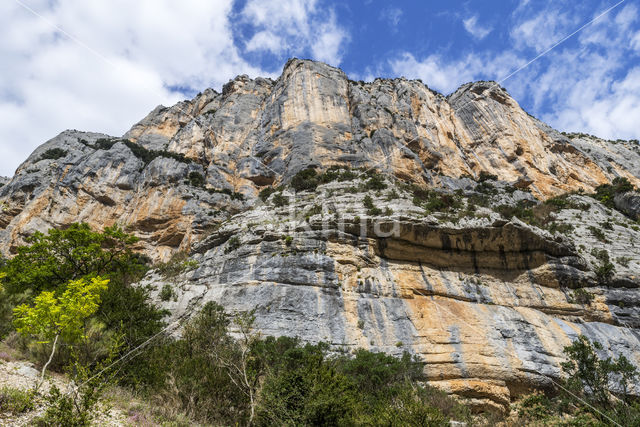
[(166, 293)]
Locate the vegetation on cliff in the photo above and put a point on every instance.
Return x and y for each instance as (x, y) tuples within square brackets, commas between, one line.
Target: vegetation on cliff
[(220, 371)]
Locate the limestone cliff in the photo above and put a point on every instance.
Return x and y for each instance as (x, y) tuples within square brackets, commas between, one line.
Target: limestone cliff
[(434, 261)]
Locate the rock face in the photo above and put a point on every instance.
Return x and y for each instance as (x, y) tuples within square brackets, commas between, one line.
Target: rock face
[(425, 255), (629, 203)]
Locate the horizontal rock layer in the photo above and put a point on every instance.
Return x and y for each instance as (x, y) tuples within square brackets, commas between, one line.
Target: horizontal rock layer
[(487, 301)]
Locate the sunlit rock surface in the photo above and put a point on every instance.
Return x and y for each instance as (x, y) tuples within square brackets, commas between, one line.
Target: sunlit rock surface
[(488, 302)]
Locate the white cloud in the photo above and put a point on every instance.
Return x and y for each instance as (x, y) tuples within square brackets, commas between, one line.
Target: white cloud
[(392, 16), (126, 57), (447, 75), (582, 85), (543, 30), (635, 42), (295, 26), (589, 86), (475, 29)]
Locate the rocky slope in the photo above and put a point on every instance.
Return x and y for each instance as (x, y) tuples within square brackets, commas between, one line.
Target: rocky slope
[(434, 261)]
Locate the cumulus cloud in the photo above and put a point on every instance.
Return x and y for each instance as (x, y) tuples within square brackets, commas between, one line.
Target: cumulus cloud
[(290, 27), (475, 29), (583, 85), (107, 64), (446, 75), (589, 86)]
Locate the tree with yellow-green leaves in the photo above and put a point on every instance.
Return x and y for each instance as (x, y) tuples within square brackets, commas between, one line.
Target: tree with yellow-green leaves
[(52, 316)]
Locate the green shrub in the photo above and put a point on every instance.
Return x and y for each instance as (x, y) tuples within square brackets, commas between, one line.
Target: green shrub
[(232, 244), (582, 296), (52, 154), (210, 397), (590, 375), (51, 260), (314, 210), (347, 175), (535, 406), (486, 176), (233, 194), (266, 192), (376, 182), (607, 225), (306, 179), (309, 179), (279, 200), (486, 187), (393, 194), (368, 202), (584, 398), (563, 228), (166, 293), (288, 382), (147, 156), (522, 210), (15, 401), (563, 202), (605, 193), (371, 208), (102, 143), (434, 201), (623, 260), (605, 269), (598, 234), (71, 410), (304, 389), (196, 179), (179, 263), (288, 240)]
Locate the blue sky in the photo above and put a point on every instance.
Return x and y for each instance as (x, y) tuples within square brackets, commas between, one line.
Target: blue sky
[(102, 66)]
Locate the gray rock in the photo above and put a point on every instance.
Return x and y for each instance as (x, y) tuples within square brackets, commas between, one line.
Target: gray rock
[(487, 302), (628, 203)]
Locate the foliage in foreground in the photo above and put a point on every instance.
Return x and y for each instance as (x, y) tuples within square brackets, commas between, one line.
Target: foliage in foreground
[(280, 381), (53, 259), (15, 401), (53, 317), (52, 262), (594, 393)]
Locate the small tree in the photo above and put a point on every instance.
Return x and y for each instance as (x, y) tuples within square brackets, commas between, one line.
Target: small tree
[(238, 360), (52, 317), (589, 373), (53, 259)]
